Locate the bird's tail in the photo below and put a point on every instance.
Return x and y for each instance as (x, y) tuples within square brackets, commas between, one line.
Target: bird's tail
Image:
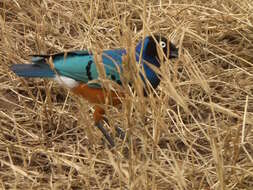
[(33, 70)]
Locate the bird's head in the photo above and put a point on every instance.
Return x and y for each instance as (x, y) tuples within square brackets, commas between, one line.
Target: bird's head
[(151, 49)]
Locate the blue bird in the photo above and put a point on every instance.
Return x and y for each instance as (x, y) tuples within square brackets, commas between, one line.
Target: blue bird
[(77, 70)]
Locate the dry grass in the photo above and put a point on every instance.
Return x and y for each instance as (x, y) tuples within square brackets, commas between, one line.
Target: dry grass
[(195, 133)]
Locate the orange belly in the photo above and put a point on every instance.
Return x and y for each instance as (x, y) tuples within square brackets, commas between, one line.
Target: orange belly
[(98, 96)]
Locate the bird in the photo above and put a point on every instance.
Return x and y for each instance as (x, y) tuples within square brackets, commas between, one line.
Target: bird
[(78, 71)]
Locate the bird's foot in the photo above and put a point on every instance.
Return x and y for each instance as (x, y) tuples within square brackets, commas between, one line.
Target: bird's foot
[(120, 133)]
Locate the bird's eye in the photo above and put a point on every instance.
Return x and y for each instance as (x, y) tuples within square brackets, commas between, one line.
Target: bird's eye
[(162, 44)]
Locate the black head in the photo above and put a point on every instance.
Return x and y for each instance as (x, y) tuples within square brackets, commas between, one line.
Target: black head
[(151, 48)]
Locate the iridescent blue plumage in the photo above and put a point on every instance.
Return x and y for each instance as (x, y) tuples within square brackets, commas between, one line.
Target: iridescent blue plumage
[(80, 65)]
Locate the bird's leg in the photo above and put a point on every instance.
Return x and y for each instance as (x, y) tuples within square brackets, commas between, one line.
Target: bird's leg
[(119, 132), (99, 125), (98, 117)]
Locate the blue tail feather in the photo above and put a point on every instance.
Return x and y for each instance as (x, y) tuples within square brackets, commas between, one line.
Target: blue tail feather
[(33, 70)]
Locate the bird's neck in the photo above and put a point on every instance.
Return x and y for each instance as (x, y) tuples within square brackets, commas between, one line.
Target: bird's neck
[(146, 61)]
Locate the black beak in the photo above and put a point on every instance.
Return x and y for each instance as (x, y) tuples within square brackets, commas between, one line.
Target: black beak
[(173, 53)]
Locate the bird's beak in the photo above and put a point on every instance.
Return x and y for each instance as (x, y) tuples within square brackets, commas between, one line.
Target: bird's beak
[(174, 53)]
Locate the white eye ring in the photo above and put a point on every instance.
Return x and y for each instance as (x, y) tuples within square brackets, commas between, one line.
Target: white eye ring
[(162, 44)]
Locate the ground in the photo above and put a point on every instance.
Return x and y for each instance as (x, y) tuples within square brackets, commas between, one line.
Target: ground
[(195, 132)]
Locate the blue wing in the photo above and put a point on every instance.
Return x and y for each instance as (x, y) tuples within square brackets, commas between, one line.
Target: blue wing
[(78, 65)]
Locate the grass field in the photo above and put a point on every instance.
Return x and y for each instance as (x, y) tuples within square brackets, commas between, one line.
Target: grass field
[(195, 132)]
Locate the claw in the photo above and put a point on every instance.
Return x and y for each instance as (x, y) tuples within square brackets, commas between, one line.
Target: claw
[(120, 133)]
